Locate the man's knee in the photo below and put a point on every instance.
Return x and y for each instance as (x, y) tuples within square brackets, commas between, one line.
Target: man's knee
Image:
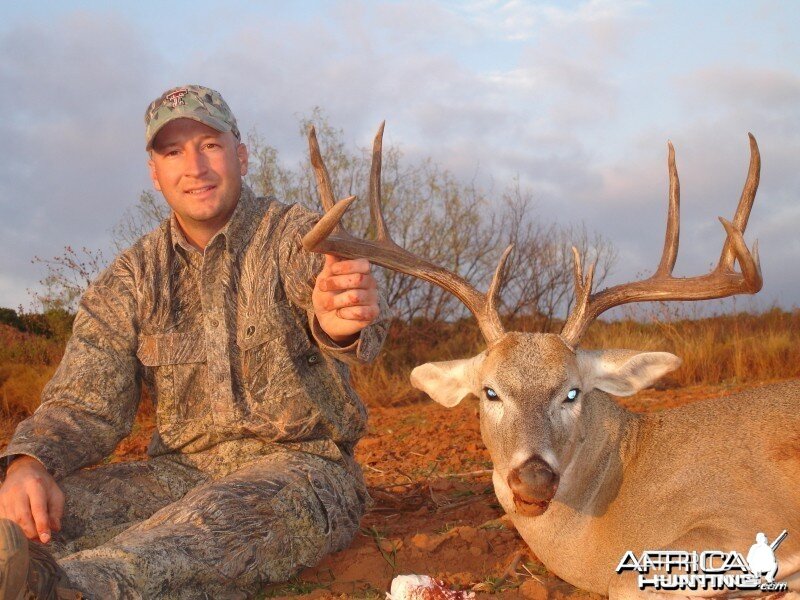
[(277, 520), (261, 524)]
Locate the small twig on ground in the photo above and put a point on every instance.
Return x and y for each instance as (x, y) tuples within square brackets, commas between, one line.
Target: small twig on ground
[(460, 503), (511, 569), (392, 485), (528, 571), (406, 475), (471, 473)]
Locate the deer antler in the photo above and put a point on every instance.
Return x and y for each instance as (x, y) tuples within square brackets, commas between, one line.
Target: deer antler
[(328, 236), (721, 282)]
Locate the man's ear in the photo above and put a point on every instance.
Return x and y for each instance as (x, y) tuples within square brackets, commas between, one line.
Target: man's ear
[(448, 382), (624, 372), (241, 154), (153, 176)]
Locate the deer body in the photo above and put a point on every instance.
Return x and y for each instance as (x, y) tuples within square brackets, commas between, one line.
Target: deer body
[(707, 476), (700, 477), (583, 479)]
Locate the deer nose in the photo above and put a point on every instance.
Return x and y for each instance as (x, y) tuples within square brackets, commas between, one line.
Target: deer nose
[(533, 483)]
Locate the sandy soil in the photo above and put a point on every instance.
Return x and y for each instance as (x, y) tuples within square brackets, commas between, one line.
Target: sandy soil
[(434, 510)]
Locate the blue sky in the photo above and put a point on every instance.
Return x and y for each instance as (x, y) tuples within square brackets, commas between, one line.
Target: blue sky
[(578, 99)]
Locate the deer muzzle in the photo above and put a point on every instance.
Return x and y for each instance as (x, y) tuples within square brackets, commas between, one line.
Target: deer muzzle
[(534, 483)]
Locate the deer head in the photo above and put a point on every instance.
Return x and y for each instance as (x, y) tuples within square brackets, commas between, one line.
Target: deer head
[(540, 394)]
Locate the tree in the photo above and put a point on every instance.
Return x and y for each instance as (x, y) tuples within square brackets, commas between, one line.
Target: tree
[(67, 277), (139, 219), (452, 224), (428, 211)]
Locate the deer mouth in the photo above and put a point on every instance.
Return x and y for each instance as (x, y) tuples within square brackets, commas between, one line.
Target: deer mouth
[(533, 485), (530, 508)]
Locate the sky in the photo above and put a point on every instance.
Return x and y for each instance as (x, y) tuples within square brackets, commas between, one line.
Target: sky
[(576, 99)]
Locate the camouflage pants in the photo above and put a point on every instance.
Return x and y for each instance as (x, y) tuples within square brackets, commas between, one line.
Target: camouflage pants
[(160, 529)]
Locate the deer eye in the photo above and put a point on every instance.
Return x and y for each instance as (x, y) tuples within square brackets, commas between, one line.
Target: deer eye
[(490, 394), (571, 395)]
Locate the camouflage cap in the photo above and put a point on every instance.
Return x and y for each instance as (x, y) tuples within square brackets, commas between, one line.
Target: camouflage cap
[(189, 102)]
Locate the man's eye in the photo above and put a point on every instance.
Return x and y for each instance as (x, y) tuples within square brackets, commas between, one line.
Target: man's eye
[(490, 394), (572, 394)]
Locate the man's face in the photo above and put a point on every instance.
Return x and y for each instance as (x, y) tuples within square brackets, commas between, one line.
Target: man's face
[(199, 170)]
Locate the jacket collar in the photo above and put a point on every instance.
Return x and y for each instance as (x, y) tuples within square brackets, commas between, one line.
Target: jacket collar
[(237, 232)]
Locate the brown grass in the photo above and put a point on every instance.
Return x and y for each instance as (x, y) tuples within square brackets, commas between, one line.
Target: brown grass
[(731, 349), (738, 348)]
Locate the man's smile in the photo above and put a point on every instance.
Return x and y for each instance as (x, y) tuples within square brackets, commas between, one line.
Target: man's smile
[(200, 190)]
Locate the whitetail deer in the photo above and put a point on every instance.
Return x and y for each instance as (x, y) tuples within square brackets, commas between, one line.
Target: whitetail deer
[(583, 479)]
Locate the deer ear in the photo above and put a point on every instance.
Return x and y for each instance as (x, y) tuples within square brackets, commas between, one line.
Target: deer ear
[(448, 382), (624, 372)]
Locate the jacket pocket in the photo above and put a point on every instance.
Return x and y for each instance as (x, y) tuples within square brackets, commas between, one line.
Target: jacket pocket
[(172, 362), (280, 370), (274, 348), (254, 337)]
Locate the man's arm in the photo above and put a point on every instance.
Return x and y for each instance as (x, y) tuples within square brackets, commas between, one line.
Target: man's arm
[(347, 315), (87, 407)]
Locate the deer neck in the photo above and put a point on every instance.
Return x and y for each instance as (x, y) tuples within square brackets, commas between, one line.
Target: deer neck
[(606, 443)]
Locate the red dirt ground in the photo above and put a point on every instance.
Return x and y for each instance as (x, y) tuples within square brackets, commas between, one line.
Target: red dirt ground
[(434, 510)]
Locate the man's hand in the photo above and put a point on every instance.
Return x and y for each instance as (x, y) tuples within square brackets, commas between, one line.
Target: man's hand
[(31, 498), (345, 298)]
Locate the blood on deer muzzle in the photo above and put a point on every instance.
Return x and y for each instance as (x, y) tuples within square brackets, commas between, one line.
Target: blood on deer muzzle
[(533, 483)]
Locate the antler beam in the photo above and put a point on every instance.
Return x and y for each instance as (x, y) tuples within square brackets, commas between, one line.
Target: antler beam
[(721, 282), (330, 238)]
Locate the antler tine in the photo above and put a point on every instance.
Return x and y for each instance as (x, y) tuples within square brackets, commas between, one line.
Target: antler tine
[(324, 188), (583, 285), (748, 263), (325, 238), (374, 196), (672, 236), (493, 295), (572, 331), (325, 226), (745, 203), (721, 282)]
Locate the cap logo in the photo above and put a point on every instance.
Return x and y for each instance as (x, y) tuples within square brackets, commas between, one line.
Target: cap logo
[(176, 98)]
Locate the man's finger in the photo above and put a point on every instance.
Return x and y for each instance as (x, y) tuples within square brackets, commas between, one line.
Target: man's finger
[(41, 517), (347, 282), (363, 314), (330, 260), (352, 298), (56, 507), (23, 517), (345, 266)]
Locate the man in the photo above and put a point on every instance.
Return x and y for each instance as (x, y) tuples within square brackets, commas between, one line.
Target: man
[(242, 339)]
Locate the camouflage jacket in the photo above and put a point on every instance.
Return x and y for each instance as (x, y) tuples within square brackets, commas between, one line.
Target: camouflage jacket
[(226, 342)]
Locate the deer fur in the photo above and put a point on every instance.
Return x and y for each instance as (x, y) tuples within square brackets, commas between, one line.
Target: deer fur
[(708, 475)]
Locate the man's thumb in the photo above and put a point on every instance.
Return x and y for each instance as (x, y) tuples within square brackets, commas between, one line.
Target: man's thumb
[(330, 260)]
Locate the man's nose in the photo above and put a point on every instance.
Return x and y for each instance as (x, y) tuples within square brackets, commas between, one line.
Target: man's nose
[(196, 163)]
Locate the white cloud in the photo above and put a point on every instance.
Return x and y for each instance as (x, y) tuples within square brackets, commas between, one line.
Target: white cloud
[(522, 20), (498, 88)]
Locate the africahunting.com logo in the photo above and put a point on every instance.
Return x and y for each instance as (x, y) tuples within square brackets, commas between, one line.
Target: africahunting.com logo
[(708, 570)]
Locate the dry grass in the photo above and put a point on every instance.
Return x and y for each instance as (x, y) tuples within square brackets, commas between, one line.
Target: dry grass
[(737, 348), (20, 388), (732, 349), (27, 362)]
